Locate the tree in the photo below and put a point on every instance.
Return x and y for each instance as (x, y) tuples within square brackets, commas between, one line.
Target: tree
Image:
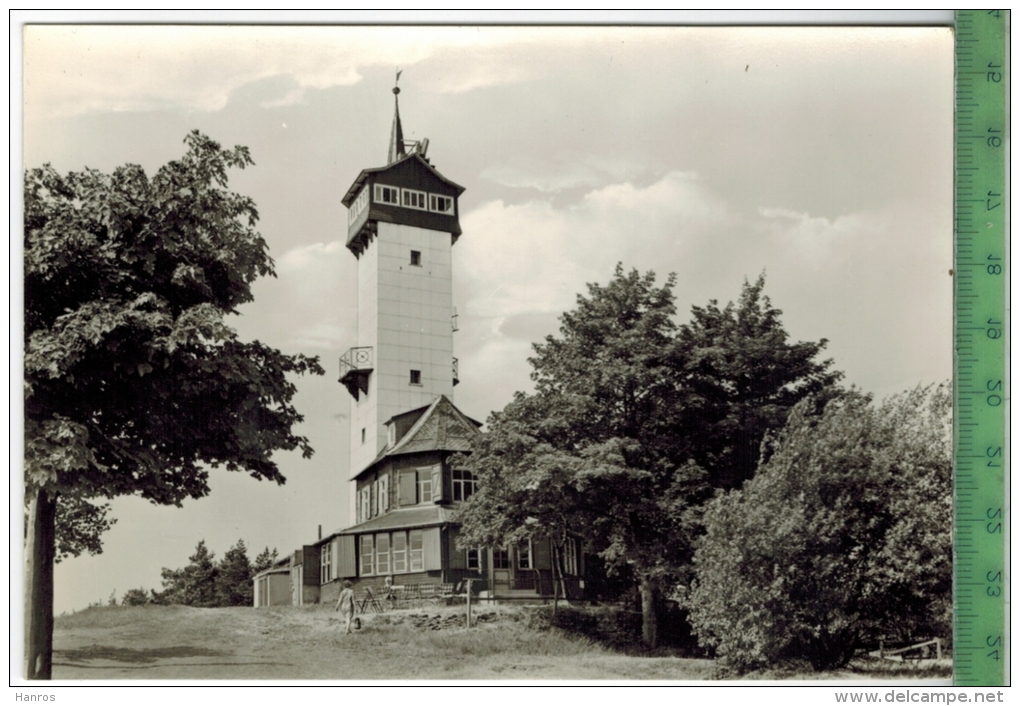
[(233, 577), (79, 525), (193, 585), (843, 536), (134, 384), (597, 447), (264, 560), (744, 377)]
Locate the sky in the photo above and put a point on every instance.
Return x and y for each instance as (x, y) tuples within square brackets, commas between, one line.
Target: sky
[(819, 156)]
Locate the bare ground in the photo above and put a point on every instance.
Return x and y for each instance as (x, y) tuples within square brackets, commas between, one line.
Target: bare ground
[(178, 642)]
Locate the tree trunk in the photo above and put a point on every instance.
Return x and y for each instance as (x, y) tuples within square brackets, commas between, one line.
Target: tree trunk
[(556, 588), (649, 616), (40, 542), (558, 571)]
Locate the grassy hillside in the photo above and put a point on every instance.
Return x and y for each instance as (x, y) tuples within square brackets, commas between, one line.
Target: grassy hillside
[(177, 642)]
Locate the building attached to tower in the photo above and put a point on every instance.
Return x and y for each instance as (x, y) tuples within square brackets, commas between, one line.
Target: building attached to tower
[(403, 221)]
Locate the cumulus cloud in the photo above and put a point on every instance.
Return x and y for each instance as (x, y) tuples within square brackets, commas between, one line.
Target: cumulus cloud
[(518, 266), (813, 237), (535, 257), (308, 305)]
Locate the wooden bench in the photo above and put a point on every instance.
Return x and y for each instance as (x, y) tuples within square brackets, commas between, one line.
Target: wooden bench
[(427, 593)]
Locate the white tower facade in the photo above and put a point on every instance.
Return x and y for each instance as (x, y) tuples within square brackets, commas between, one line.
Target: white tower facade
[(402, 224), (405, 309)]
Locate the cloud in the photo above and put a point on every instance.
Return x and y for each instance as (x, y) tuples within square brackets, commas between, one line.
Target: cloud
[(813, 238), (535, 257), (307, 306), (518, 266), (566, 171), (75, 69)]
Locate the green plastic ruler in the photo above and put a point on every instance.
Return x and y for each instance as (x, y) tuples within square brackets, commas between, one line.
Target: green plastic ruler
[(980, 329)]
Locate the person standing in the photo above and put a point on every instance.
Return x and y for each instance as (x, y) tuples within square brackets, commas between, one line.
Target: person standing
[(345, 604)]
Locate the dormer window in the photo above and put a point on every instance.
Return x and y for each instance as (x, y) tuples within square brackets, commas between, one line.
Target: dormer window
[(391, 435)]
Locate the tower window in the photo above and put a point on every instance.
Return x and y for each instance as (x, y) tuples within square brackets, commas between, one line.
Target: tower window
[(414, 199), (440, 204), (363, 436), (387, 194), (416, 377), (415, 258)]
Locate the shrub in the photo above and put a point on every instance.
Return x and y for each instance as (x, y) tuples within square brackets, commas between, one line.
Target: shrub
[(843, 536), (136, 596)]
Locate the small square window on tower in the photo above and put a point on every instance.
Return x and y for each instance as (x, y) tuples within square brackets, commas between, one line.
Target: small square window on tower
[(416, 377), (416, 258)]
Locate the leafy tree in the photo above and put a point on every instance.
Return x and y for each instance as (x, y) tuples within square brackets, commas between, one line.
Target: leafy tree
[(79, 525), (134, 384), (843, 536), (597, 448), (744, 377), (233, 577), (264, 560)]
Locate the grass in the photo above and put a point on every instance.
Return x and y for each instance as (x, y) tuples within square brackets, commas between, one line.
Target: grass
[(297, 643)]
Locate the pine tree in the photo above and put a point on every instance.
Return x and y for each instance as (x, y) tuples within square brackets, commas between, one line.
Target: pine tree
[(233, 577)]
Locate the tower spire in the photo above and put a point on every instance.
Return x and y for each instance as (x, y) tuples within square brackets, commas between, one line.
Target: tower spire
[(397, 133)]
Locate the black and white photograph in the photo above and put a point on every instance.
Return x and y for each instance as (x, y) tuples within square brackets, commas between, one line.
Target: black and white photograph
[(474, 353)]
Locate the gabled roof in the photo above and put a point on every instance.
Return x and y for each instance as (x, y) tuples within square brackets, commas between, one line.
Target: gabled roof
[(406, 518), (365, 173), (442, 427)]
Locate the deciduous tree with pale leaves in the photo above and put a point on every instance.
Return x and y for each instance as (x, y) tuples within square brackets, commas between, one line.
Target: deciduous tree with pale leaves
[(134, 382), (844, 536)]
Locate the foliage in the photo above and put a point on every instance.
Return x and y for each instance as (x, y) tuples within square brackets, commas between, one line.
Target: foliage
[(596, 449), (80, 524), (133, 382), (264, 560), (633, 420), (193, 585), (136, 597), (206, 583), (233, 577), (743, 377), (842, 537)]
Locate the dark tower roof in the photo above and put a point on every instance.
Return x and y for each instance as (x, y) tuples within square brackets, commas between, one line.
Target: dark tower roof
[(397, 132), (407, 191)]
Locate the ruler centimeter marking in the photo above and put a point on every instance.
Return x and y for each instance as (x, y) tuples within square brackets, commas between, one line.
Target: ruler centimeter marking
[(980, 279)]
